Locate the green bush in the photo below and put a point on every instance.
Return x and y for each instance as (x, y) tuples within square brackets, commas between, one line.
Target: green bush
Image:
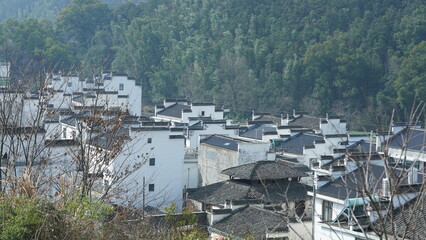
[(37, 218)]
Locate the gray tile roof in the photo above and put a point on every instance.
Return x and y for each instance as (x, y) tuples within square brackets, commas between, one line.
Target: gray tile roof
[(277, 192), (306, 121), (69, 121), (363, 146), (268, 117), (352, 185), (413, 139), (407, 221), (222, 142), (296, 143), (174, 111), (218, 193), (263, 170), (253, 222), (257, 131), (110, 139)]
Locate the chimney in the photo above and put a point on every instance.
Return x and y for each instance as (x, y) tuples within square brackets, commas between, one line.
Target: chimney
[(385, 188)]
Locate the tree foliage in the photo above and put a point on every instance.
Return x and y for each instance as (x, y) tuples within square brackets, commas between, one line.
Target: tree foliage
[(325, 56), (79, 21)]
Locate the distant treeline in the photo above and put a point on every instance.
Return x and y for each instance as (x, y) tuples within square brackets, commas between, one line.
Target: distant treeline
[(357, 57)]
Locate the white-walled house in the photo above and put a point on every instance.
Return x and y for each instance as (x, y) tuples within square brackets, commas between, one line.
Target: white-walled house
[(349, 206), (193, 135), (260, 131), (182, 110), (325, 126), (204, 128), (110, 90), (152, 155), (126, 88), (408, 145)]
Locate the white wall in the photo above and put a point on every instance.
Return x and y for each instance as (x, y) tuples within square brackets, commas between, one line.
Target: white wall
[(252, 152), (333, 126), (130, 89), (410, 155), (4, 69), (190, 173), (166, 175)]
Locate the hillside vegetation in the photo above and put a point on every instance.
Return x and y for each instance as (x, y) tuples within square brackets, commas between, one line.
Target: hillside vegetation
[(348, 58)]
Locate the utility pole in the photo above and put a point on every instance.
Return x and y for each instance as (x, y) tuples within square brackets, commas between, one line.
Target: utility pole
[(314, 197), (143, 198)]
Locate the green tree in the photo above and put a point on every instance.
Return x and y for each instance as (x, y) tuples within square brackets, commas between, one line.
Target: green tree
[(78, 22), (411, 79)]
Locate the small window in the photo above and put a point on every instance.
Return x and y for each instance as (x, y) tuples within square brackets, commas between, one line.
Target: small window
[(327, 211), (69, 84), (151, 187), (203, 113), (149, 140), (313, 162), (64, 133), (152, 162), (121, 86)]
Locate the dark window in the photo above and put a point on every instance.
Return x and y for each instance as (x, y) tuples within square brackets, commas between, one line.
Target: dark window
[(327, 210), (152, 162), (202, 113), (149, 140), (300, 208), (64, 133), (69, 84), (121, 86), (151, 187)]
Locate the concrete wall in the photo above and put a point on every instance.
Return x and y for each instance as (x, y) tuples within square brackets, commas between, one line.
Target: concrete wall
[(252, 152), (212, 160)]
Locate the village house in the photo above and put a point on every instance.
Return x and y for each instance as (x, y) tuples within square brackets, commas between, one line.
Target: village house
[(142, 173), (408, 147), (263, 131), (183, 111), (347, 205), (110, 90), (270, 188)]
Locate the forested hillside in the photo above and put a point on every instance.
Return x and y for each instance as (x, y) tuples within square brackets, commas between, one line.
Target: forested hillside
[(42, 9), (357, 57)]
